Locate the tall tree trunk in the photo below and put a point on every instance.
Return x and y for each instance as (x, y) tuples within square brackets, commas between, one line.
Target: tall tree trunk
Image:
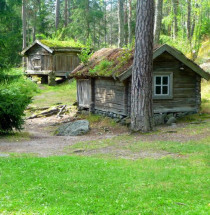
[(57, 14), (126, 22), (105, 23), (141, 93), (87, 19), (189, 20), (111, 24), (129, 21), (175, 24), (66, 13), (24, 28), (24, 22), (120, 23), (158, 20)]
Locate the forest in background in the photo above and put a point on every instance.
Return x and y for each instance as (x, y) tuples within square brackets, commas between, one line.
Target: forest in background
[(181, 23)]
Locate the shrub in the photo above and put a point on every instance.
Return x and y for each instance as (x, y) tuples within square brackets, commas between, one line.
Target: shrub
[(15, 94)]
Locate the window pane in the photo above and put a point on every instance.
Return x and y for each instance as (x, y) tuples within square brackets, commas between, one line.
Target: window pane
[(158, 90), (165, 90), (165, 80), (158, 80)]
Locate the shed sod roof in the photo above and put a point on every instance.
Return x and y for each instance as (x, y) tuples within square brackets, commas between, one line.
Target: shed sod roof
[(62, 44), (117, 63), (55, 45)]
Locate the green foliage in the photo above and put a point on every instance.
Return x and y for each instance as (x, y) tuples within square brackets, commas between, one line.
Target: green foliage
[(102, 69), (15, 94), (86, 52)]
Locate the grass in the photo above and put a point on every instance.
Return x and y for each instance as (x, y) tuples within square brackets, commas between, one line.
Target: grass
[(64, 93), (81, 185), (205, 94)]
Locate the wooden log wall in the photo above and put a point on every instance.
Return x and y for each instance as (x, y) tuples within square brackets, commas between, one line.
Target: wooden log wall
[(186, 91), (110, 96), (65, 62), (39, 60)]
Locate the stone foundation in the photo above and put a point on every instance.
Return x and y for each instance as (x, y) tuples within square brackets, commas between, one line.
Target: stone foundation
[(159, 118)]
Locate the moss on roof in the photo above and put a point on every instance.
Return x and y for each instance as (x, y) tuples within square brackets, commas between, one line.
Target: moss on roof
[(62, 44)]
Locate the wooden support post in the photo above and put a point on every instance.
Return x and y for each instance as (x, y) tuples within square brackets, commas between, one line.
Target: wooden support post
[(51, 79), (92, 95), (44, 79)]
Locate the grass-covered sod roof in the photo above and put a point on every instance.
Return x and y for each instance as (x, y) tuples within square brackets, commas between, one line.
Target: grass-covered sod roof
[(106, 62), (117, 63), (62, 44)]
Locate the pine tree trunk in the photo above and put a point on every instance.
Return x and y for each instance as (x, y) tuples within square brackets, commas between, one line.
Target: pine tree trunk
[(129, 21), (120, 23), (175, 27), (24, 29), (141, 93), (57, 14), (158, 21), (105, 23), (24, 22), (126, 22), (87, 19), (189, 20), (66, 13), (111, 24)]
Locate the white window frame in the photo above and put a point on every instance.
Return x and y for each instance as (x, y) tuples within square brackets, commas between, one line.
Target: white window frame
[(169, 85)]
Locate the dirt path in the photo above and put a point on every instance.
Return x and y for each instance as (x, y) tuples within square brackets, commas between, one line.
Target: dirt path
[(42, 142)]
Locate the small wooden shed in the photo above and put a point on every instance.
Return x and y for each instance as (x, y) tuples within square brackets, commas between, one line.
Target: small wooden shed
[(49, 59), (104, 84)]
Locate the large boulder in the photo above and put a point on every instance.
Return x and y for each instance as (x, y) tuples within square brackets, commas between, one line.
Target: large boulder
[(75, 128)]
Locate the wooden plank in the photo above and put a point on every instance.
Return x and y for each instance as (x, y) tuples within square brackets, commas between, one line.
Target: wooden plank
[(41, 72)]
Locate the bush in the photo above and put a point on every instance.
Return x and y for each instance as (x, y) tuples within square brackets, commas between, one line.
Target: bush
[(15, 94)]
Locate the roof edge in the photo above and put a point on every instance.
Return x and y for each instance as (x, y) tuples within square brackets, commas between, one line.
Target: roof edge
[(175, 53), (34, 43)]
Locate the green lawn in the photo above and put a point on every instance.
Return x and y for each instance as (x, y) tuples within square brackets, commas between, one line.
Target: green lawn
[(81, 185)]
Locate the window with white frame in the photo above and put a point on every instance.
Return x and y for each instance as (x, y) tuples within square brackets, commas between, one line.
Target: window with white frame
[(162, 85)]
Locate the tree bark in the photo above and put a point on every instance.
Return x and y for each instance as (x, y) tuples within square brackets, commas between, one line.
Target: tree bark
[(141, 92), (57, 14), (87, 19), (120, 23), (125, 23), (129, 21), (158, 21), (66, 13), (111, 24), (189, 20), (175, 26), (24, 22)]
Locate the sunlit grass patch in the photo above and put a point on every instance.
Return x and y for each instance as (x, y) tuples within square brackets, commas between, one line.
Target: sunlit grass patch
[(79, 185)]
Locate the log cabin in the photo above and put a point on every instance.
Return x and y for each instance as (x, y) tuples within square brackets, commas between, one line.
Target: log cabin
[(104, 83), (49, 59)]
